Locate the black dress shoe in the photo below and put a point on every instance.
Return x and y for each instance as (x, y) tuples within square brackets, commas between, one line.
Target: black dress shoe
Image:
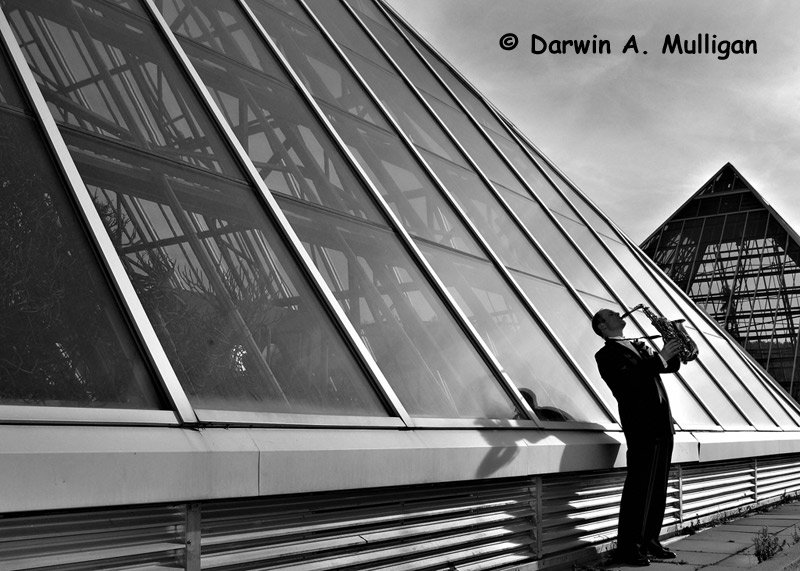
[(632, 558), (659, 551)]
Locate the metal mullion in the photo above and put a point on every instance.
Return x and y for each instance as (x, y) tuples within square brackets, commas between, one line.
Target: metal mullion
[(500, 375), (794, 362), (281, 224), (507, 384), (679, 238), (499, 266), (717, 257), (441, 290), (594, 232), (758, 276), (745, 385), (546, 210), (740, 261), (781, 296), (693, 267), (663, 280), (670, 288), (106, 253)]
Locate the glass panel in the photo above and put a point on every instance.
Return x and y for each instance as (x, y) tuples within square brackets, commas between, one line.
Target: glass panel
[(566, 257), (9, 91), (114, 81), (422, 77), (221, 27), (390, 89), (238, 322), (725, 377), (576, 198), (485, 157), (630, 292), (426, 357), (291, 151), (495, 224), (664, 305), (532, 175), (344, 28), (366, 7), (686, 410), (318, 66), (406, 188), (462, 93), (405, 108), (765, 397), (572, 324), (241, 327), (513, 336), (395, 45), (63, 341), (290, 7), (498, 132), (388, 163)]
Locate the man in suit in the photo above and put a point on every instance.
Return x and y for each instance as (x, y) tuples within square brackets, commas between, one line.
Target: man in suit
[(632, 371)]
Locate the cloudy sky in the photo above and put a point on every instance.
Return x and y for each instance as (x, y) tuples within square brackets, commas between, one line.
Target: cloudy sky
[(639, 134)]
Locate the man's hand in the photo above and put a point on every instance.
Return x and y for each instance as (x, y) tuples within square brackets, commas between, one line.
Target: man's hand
[(671, 349)]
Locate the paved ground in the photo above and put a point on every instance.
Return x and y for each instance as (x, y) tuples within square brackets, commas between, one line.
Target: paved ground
[(730, 546)]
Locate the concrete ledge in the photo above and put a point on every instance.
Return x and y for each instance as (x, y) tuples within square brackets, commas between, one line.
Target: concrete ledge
[(58, 467), (729, 445)]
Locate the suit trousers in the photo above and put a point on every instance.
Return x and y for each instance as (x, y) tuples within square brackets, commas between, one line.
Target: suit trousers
[(644, 495)]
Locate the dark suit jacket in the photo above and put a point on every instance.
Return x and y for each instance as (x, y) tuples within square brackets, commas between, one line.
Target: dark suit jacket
[(634, 379)]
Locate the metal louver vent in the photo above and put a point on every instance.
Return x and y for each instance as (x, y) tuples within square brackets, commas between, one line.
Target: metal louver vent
[(468, 527), (130, 539), (718, 488), (581, 511), (777, 478)]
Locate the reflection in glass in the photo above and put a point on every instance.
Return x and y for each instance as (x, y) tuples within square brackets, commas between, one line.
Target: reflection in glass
[(571, 324), (556, 244), (494, 223), (524, 351), (9, 92), (62, 339), (314, 61), (240, 325), (115, 81), (425, 356), (291, 152), (408, 191)]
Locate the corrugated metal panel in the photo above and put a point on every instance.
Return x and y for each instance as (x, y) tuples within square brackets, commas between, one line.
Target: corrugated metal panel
[(470, 526), (776, 478), (466, 526), (135, 539), (583, 510), (717, 488)]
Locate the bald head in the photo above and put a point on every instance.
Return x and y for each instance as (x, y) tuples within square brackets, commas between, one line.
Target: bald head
[(607, 323)]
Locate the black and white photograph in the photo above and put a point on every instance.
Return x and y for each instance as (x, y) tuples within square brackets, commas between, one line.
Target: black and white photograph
[(409, 285)]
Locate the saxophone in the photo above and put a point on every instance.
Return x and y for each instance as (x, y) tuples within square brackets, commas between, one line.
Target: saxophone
[(670, 330)]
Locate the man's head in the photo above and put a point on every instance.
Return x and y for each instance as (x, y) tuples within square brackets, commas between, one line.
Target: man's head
[(607, 323)]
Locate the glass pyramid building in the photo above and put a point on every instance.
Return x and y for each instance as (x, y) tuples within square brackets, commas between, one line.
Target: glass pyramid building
[(734, 255), (283, 290)]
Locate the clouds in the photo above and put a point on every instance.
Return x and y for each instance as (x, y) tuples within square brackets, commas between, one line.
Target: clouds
[(638, 133)]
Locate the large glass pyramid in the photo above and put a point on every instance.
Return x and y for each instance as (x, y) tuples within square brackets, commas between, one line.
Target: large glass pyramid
[(734, 255), (296, 212)]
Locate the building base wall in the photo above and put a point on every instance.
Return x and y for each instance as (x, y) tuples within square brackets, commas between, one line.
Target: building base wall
[(239, 498)]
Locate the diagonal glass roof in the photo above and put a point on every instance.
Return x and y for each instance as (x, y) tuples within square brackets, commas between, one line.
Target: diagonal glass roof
[(324, 223)]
